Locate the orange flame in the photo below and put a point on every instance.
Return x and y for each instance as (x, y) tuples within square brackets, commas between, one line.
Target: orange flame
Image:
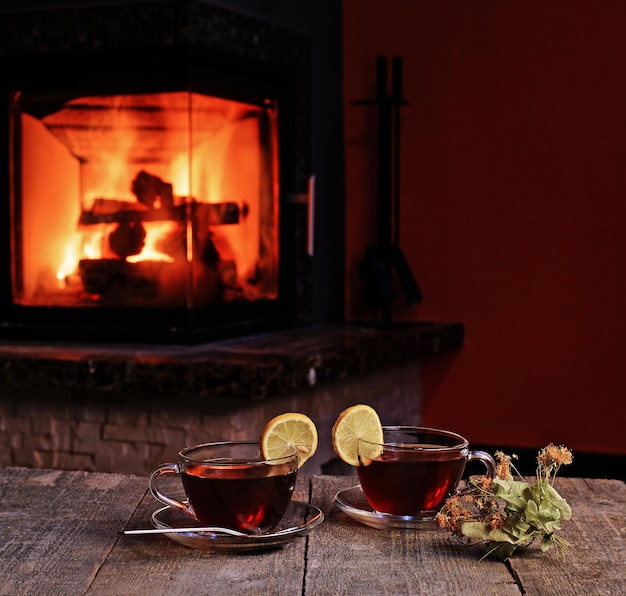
[(208, 148)]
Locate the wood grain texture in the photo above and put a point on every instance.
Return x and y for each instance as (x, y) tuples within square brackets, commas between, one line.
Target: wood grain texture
[(596, 562), (60, 534), (346, 557), (56, 528)]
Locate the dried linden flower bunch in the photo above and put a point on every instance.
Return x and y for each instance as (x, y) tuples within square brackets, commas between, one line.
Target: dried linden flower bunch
[(508, 514)]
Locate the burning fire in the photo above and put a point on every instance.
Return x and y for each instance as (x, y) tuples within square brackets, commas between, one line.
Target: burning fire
[(112, 164), (154, 234), (93, 245)]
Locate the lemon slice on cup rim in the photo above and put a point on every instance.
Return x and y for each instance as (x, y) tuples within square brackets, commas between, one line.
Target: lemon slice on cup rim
[(357, 422), (286, 431)]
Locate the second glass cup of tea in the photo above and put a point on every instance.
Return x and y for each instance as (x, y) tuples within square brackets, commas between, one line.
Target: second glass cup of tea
[(414, 469), (231, 485)]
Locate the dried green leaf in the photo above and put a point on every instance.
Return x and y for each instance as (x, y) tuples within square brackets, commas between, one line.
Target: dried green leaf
[(482, 531), (546, 544), (500, 550), (560, 503)]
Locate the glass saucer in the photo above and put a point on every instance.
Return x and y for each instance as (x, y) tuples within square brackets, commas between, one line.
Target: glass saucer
[(353, 502), (299, 520)]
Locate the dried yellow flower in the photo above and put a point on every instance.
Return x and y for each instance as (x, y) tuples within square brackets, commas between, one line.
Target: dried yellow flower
[(554, 456), (503, 467), (484, 483)]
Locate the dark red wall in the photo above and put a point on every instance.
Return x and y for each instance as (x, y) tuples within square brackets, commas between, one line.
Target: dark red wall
[(513, 207)]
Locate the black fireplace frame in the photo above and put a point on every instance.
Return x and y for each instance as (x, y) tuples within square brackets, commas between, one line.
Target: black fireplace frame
[(146, 47)]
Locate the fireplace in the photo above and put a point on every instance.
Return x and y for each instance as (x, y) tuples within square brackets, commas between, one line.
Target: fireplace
[(122, 201), (156, 180)]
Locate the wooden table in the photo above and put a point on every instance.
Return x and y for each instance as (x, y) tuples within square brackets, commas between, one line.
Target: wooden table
[(60, 533)]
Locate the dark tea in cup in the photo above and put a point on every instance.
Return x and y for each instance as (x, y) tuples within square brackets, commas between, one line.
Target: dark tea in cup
[(230, 485), (415, 469)]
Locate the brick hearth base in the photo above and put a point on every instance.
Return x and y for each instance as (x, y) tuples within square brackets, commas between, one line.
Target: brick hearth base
[(102, 409)]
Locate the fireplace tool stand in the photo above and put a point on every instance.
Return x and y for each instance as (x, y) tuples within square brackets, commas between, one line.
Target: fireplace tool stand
[(385, 258)]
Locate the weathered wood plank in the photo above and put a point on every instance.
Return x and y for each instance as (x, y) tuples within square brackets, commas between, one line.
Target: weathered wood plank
[(57, 527), (346, 557), (156, 565), (60, 534), (596, 563)]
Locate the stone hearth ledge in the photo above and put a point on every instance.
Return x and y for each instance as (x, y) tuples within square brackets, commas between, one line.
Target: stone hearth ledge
[(128, 408), (254, 367)]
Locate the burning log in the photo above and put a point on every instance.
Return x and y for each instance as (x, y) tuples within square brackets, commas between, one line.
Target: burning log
[(127, 239), (117, 211), (155, 202), (117, 282), (114, 277), (152, 191)]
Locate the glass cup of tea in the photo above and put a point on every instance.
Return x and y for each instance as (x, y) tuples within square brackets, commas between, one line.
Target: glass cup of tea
[(414, 469), (230, 485)]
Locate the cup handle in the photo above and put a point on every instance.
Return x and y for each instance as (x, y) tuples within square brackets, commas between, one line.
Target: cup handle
[(486, 459), (157, 494)]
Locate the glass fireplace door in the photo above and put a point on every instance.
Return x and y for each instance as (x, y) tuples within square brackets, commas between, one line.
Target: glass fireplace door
[(161, 200)]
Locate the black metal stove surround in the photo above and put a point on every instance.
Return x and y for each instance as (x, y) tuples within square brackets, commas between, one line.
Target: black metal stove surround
[(161, 47), (118, 392)]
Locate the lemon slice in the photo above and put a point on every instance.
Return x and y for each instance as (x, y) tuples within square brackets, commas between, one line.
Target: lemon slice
[(286, 431), (354, 423)]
